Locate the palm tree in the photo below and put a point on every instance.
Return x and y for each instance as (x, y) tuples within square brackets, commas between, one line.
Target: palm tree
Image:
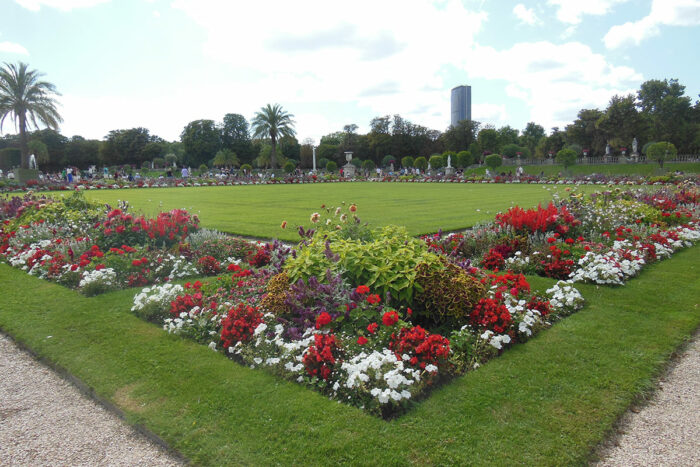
[(272, 122), (226, 158), (28, 101)]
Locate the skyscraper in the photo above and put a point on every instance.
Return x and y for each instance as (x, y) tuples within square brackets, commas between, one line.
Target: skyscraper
[(461, 104)]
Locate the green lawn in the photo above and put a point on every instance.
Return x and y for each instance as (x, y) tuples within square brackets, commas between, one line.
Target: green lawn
[(547, 402), (604, 169), (258, 210)]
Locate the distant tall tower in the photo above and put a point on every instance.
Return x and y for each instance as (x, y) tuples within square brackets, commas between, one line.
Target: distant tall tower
[(461, 104)]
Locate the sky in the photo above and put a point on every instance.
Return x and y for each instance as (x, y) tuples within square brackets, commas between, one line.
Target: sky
[(160, 64)]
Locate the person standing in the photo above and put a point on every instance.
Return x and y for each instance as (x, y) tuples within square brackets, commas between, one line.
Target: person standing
[(185, 173)]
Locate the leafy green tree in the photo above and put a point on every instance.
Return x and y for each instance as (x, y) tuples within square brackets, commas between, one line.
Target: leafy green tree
[(493, 161), (57, 145), (407, 162), (331, 166), (152, 150), (488, 139), (226, 158), (10, 158), (290, 166), (566, 157), (576, 148), (437, 161), (170, 159), (464, 159), (79, 152), (531, 136), (661, 151), (40, 151), (27, 100), (289, 147), (201, 140), (585, 132), (388, 160), (421, 163), (126, 146), (510, 150), (368, 165), (158, 163), (235, 135), (669, 111), (507, 135), (460, 136), (273, 122), (622, 122)]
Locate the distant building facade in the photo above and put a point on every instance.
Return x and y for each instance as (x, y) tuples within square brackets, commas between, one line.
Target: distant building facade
[(461, 104)]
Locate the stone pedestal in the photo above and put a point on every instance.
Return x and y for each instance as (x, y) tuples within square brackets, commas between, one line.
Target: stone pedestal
[(349, 170), (449, 170)]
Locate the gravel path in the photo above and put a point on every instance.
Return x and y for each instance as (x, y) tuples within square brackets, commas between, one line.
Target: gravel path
[(667, 430), (45, 420)]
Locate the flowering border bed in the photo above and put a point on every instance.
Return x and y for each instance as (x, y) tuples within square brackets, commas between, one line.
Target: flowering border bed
[(371, 349)]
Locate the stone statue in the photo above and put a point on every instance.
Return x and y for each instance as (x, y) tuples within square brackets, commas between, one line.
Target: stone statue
[(607, 149), (634, 146), (32, 162), (449, 161)]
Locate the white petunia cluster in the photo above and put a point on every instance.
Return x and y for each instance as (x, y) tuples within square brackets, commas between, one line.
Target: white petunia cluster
[(106, 277), (565, 298), (159, 295)]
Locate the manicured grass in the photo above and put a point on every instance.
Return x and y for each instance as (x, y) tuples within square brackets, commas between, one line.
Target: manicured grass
[(604, 169), (549, 401), (259, 210)]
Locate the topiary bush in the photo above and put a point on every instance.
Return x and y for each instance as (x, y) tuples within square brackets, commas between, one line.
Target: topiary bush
[(493, 161)]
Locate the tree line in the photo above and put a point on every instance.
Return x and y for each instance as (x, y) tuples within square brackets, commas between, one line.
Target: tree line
[(659, 111)]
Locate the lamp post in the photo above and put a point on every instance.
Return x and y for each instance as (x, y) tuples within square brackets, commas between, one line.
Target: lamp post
[(313, 150)]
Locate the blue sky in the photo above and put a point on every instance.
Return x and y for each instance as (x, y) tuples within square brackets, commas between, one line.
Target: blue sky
[(163, 63)]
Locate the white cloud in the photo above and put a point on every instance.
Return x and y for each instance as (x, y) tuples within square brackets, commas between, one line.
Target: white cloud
[(663, 13), (330, 54), (12, 48), (554, 80), (63, 5), (525, 15), (572, 11)]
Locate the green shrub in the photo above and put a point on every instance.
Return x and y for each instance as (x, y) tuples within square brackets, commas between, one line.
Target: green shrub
[(661, 151), (437, 161), (331, 166), (407, 162), (493, 161), (368, 164), (289, 166), (464, 159), (421, 163), (566, 157), (446, 293), (386, 263)]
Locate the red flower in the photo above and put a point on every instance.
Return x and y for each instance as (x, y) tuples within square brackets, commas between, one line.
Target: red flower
[(409, 312), (374, 299), (362, 289), (390, 318), (372, 328), (362, 340), (551, 240), (136, 262), (322, 320)]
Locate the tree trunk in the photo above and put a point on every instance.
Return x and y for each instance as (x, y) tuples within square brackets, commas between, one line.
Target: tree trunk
[(273, 154), (23, 141)]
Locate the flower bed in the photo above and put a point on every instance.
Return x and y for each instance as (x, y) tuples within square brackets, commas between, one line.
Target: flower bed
[(370, 317)]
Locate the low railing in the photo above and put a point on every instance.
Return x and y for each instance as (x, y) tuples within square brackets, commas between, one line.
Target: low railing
[(600, 160)]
